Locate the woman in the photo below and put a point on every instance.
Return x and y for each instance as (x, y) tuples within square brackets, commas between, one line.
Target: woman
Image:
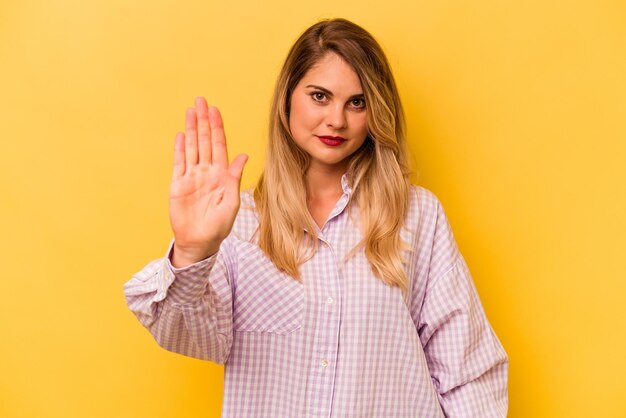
[(335, 288)]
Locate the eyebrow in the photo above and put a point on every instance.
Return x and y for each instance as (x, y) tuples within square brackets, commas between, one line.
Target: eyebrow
[(330, 93)]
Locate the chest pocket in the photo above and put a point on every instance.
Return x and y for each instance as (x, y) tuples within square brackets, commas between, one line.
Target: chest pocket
[(265, 299)]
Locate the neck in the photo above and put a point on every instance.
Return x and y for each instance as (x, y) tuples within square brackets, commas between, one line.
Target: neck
[(322, 182)]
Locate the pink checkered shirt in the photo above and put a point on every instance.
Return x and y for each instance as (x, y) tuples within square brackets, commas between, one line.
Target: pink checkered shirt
[(341, 343)]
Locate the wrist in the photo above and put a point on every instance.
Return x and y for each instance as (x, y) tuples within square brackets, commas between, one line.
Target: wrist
[(185, 256)]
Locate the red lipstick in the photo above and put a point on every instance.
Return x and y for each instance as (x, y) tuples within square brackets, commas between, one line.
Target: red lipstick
[(332, 141)]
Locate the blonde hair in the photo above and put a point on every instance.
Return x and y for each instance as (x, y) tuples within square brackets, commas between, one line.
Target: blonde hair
[(378, 171)]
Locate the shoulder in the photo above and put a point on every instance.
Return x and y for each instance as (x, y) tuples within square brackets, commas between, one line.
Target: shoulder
[(434, 237), (247, 221), (424, 207), (247, 199), (424, 196)]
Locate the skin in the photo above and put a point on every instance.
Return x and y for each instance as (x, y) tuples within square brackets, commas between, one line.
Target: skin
[(204, 191), (328, 100)]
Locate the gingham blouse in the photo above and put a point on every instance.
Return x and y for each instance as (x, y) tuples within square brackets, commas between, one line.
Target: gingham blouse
[(340, 343)]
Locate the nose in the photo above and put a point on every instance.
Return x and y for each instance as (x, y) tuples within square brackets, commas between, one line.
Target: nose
[(336, 117)]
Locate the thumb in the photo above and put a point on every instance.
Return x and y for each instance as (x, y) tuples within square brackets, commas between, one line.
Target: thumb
[(236, 167), (235, 170)]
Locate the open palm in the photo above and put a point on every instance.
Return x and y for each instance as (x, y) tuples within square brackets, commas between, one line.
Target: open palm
[(204, 192)]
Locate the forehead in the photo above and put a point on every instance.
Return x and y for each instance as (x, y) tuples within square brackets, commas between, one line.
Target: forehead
[(333, 73)]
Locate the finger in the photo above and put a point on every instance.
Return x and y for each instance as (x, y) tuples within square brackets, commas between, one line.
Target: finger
[(191, 139), (235, 170), (179, 156), (204, 132), (218, 139), (236, 167)]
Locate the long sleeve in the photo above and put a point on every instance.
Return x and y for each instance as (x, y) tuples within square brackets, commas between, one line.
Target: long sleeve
[(187, 311), (467, 362)]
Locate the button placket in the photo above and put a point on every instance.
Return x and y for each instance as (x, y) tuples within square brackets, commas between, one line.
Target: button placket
[(327, 337)]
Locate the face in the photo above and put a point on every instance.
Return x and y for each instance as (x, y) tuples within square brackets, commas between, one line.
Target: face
[(327, 116)]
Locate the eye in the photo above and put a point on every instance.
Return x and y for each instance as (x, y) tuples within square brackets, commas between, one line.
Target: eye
[(357, 103), (318, 96)]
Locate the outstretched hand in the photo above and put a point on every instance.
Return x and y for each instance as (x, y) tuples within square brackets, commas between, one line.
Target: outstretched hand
[(204, 193)]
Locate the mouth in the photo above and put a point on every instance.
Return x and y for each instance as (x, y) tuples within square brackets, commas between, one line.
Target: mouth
[(331, 140)]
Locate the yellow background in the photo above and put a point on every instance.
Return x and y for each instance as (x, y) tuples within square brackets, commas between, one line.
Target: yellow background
[(517, 121)]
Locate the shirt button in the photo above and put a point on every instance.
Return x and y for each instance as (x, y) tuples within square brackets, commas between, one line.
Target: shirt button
[(324, 362), (330, 300)]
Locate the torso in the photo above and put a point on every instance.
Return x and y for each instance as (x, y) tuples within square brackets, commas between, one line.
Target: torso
[(320, 208)]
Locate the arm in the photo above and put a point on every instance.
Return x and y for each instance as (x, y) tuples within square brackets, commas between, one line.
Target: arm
[(185, 298), (189, 310), (467, 363)]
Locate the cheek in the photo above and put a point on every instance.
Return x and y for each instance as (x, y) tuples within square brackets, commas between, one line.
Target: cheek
[(296, 111), (359, 123), (302, 114)]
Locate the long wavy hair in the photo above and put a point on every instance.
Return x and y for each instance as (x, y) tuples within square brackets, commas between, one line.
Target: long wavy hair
[(378, 171)]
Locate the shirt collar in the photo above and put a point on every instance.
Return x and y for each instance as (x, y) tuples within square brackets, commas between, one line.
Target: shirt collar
[(345, 184)]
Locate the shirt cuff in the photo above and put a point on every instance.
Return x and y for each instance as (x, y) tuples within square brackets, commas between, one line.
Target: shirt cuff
[(187, 285)]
